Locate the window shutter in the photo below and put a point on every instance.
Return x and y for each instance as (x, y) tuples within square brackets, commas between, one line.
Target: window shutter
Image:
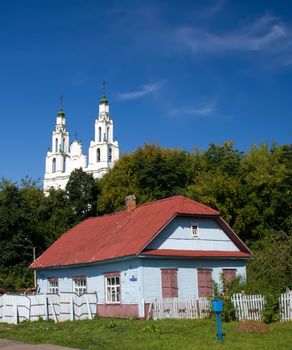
[(204, 282), (169, 283), (229, 275)]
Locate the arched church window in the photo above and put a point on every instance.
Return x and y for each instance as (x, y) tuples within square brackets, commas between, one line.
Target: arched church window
[(99, 134), (107, 134), (98, 155), (64, 165), (63, 145), (54, 165), (110, 154), (56, 145)]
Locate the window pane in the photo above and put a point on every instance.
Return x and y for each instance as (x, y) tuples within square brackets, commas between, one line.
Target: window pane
[(112, 284), (80, 286)]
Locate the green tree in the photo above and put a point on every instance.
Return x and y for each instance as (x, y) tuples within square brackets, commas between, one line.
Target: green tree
[(266, 192), (150, 173), (270, 271), (216, 182), (56, 216), (82, 190), (20, 230)]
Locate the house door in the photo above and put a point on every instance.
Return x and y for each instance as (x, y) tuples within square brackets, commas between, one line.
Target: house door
[(169, 283), (204, 282)]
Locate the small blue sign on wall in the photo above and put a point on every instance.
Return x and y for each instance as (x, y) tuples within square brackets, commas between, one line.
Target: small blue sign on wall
[(133, 279)]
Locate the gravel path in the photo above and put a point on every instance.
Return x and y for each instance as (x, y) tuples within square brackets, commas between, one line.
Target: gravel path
[(6, 344)]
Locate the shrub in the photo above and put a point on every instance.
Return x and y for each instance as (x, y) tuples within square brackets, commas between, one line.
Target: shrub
[(271, 309)]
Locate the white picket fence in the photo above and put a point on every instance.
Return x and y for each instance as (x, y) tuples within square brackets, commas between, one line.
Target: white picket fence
[(248, 307), (69, 306), (58, 307), (181, 308), (285, 304)]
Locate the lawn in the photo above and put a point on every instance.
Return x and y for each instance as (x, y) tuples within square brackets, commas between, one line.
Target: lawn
[(135, 334)]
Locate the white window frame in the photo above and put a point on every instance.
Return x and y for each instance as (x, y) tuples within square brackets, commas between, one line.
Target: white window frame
[(53, 285), (112, 288), (79, 285), (195, 231)]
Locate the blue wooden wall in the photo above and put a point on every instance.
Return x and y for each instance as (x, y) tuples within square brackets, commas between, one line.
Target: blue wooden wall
[(178, 235)]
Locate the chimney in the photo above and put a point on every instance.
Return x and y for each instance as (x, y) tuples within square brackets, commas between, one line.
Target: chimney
[(130, 203)]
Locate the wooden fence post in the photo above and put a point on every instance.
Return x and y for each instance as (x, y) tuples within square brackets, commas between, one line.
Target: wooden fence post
[(46, 306), (71, 308), (88, 307), (53, 310), (15, 313)]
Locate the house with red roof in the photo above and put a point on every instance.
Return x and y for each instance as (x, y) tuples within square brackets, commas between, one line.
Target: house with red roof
[(172, 247)]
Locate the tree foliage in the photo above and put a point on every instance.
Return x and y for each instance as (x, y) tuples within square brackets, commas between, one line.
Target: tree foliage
[(271, 269), (81, 190), (150, 173)]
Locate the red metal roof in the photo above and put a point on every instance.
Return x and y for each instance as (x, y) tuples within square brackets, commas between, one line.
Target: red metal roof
[(122, 233), (195, 253)]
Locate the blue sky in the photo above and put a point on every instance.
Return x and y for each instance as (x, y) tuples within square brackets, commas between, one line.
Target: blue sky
[(179, 74)]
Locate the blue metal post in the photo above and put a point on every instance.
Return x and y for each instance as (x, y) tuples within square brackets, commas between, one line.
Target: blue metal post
[(217, 307), (219, 326)]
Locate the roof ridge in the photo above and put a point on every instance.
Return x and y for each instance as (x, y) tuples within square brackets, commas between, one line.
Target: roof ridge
[(202, 205), (161, 200), (156, 201), (138, 206)]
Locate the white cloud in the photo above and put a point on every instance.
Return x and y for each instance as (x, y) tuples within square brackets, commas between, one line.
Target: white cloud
[(212, 10), (288, 62), (144, 90), (266, 33), (196, 111)]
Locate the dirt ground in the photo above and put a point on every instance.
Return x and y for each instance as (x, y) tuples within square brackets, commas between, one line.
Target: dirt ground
[(252, 327), (6, 344)]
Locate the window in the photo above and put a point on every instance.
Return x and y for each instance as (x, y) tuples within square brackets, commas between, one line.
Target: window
[(63, 144), (110, 155), (113, 288), (204, 282), (169, 283), (195, 231), (99, 134), (53, 285), (107, 134), (56, 145), (229, 275), (64, 165), (79, 285), (54, 165), (98, 155)]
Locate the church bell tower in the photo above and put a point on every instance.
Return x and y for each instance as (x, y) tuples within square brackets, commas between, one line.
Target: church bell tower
[(103, 150), (64, 158), (57, 157)]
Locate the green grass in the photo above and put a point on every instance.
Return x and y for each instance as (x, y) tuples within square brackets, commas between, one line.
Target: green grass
[(135, 334)]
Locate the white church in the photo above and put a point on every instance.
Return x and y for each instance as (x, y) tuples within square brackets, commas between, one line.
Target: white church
[(63, 158)]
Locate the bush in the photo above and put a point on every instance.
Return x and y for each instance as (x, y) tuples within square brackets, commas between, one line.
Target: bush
[(271, 309)]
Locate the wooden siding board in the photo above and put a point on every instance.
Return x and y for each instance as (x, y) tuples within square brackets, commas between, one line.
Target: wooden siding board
[(95, 279), (186, 275), (178, 235), (147, 272)]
